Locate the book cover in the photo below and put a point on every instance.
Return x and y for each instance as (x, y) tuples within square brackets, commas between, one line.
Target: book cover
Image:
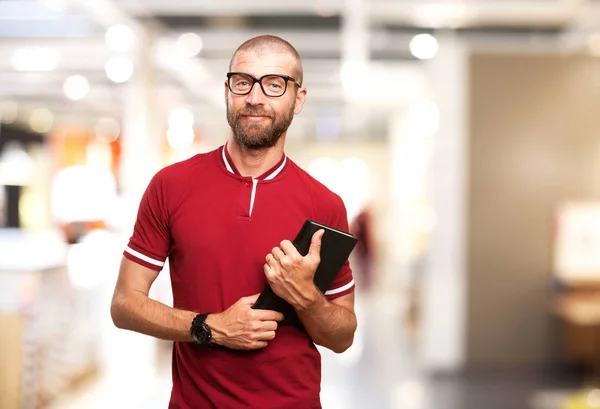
[(336, 247)]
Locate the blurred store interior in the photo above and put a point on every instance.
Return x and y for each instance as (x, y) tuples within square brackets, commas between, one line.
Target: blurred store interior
[(463, 137)]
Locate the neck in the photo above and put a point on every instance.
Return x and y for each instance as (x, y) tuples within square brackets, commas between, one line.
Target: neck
[(254, 163)]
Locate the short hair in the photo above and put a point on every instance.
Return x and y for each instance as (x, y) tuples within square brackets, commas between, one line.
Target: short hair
[(270, 43)]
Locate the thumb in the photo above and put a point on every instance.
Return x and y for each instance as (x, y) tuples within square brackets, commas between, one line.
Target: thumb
[(315, 243), (251, 299)]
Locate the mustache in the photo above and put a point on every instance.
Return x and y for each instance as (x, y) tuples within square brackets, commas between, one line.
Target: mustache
[(254, 111)]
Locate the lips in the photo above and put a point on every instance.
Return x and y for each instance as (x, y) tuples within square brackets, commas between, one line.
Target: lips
[(255, 114), (255, 117)]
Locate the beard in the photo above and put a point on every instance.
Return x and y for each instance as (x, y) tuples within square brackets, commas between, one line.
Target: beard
[(260, 135)]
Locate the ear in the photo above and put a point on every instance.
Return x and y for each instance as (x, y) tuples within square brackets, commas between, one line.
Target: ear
[(300, 99), (226, 91)]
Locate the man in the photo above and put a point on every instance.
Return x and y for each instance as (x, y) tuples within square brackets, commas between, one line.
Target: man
[(224, 220)]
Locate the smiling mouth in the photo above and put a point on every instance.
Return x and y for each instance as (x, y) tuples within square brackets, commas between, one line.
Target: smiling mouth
[(255, 118)]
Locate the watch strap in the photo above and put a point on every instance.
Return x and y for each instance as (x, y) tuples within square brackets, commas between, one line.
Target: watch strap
[(200, 331)]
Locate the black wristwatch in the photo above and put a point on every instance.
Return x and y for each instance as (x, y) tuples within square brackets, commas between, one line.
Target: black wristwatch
[(200, 331)]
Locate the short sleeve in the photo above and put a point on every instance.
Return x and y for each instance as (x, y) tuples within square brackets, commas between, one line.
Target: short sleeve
[(343, 283), (151, 240)]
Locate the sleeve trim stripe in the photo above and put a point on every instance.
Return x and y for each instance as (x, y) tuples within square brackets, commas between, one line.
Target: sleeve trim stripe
[(340, 289), (143, 257)]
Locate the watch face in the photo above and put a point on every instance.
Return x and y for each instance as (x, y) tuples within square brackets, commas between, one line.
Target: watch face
[(206, 335), (202, 334)]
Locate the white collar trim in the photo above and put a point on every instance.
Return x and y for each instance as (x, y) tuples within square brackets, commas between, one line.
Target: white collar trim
[(269, 177)]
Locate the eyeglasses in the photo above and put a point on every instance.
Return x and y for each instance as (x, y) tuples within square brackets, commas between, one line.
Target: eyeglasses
[(272, 85)]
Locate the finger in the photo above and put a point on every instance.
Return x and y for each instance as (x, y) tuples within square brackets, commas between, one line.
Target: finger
[(271, 260), (256, 328), (267, 336), (269, 272), (269, 325), (289, 249), (259, 344), (315, 243), (269, 315), (277, 253), (250, 300), (291, 253), (264, 326)]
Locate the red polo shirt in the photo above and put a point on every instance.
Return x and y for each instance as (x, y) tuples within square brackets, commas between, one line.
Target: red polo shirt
[(216, 227)]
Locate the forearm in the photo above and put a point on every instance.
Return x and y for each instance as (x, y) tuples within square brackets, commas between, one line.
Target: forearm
[(137, 312), (329, 325)]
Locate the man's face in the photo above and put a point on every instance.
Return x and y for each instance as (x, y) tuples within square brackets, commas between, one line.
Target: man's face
[(258, 121)]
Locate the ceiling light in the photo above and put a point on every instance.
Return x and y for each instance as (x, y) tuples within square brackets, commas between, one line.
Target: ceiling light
[(119, 38), (16, 166), (119, 69), (190, 44), (180, 138), (325, 12), (41, 120), (325, 8), (58, 5), (35, 59), (424, 46), (76, 87), (181, 118), (107, 130), (441, 15)]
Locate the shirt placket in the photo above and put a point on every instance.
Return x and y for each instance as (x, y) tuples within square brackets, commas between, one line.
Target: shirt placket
[(247, 198)]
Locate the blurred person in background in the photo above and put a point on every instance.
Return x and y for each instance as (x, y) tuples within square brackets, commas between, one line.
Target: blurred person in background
[(223, 219), (362, 229)]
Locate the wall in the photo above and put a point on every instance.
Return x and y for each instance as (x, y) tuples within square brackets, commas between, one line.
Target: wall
[(534, 142)]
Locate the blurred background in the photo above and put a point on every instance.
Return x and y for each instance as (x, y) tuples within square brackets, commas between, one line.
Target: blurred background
[(463, 136)]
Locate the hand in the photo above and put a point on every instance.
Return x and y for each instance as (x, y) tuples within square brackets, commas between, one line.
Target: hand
[(241, 327), (290, 275)]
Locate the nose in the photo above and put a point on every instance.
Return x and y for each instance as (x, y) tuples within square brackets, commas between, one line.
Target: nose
[(255, 96)]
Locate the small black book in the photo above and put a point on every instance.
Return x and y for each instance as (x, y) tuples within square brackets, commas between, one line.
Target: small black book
[(336, 246)]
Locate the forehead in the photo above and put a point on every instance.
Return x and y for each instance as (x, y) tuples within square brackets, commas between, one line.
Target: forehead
[(266, 62)]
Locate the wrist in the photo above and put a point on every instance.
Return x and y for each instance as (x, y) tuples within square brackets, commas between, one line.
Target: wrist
[(310, 299), (218, 333), (201, 332)]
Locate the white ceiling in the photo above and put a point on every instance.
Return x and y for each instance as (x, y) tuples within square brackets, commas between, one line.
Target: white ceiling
[(325, 32)]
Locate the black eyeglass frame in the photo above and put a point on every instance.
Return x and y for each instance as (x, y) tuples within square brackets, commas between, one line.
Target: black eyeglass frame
[(259, 80)]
